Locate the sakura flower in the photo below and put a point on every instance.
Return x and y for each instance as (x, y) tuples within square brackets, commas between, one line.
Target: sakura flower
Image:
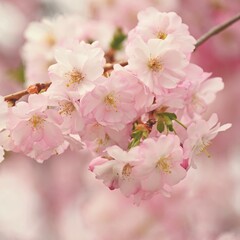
[(68, 108), (156, 63), (32, 129), (117, 170), (161, 164), (114, 101), (3, 113), (98, 137), (43, 38), (3, 121), (153, 24), (77, 68), (200, 90), (200, 135), (1, 154)]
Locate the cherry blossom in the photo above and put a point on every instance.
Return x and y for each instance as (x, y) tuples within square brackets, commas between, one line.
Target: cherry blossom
[(200, 135), (134, 100), (153, 24), (77, 68), (161, 165), (117, 169), (114, 101), (3, 122), (156, 63), (33, 130)]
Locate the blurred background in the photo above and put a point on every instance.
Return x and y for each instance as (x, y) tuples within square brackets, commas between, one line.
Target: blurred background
[(61, 200)]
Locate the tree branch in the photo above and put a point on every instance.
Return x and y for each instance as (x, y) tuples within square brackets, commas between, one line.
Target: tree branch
[(36, 88), (216, 30)]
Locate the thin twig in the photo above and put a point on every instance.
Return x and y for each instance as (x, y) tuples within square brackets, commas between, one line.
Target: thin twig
[(36, 88), (109, 66), (216, 30)]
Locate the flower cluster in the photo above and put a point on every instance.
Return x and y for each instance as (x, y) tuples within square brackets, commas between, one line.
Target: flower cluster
[(142, 118)]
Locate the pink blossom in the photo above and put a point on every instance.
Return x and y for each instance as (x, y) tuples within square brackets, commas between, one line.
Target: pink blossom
[(3, 113), (98, 137), (3, 121), (117, 170), (32, 130), (68, 108), (156, 63), (77, 68), (153, 24), (200, 135), (200, 90), (161, 164), (43, 38), (115, 102)]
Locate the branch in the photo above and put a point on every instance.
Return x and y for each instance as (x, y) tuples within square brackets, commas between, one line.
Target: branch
[(109, 66), (216, 30), (36, 88)]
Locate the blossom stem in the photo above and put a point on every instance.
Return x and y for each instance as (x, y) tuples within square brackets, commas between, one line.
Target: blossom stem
[(180, 123), (216, 30)]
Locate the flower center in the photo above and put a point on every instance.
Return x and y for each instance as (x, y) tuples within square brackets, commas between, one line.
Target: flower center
[(102, 142), (164, 165), (202, 147), (50, 40), (198, 103), (66, 108), (36, 121), (110, 101), (127, 170), (75, 77), (161, 35), (155, 65)]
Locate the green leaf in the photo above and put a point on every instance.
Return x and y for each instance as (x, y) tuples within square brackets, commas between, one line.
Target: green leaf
[(134, 143), (145, 134), (167, 120), (118, 39), (168, 123), (160, 126), (172, 116), (137, 134)]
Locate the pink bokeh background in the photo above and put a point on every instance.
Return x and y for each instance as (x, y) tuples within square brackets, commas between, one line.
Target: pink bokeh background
[(61, 200)]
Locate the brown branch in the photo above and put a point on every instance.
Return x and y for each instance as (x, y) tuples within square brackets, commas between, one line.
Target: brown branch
[(216, 30), (36, 88), (109, 66)]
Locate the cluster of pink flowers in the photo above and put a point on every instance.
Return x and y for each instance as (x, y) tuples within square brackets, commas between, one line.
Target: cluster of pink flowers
[(143, 120)]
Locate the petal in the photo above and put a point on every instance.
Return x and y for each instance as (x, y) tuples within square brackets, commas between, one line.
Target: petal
[(52, 135)]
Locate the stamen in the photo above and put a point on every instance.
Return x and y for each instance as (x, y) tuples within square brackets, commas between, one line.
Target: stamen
[(202, 147), (75, 77), (102, 142), (164, 165), (66, 108), (36, 121), (155, 65), (161, 35), (127, 170), (110, 100), (50, 39)]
